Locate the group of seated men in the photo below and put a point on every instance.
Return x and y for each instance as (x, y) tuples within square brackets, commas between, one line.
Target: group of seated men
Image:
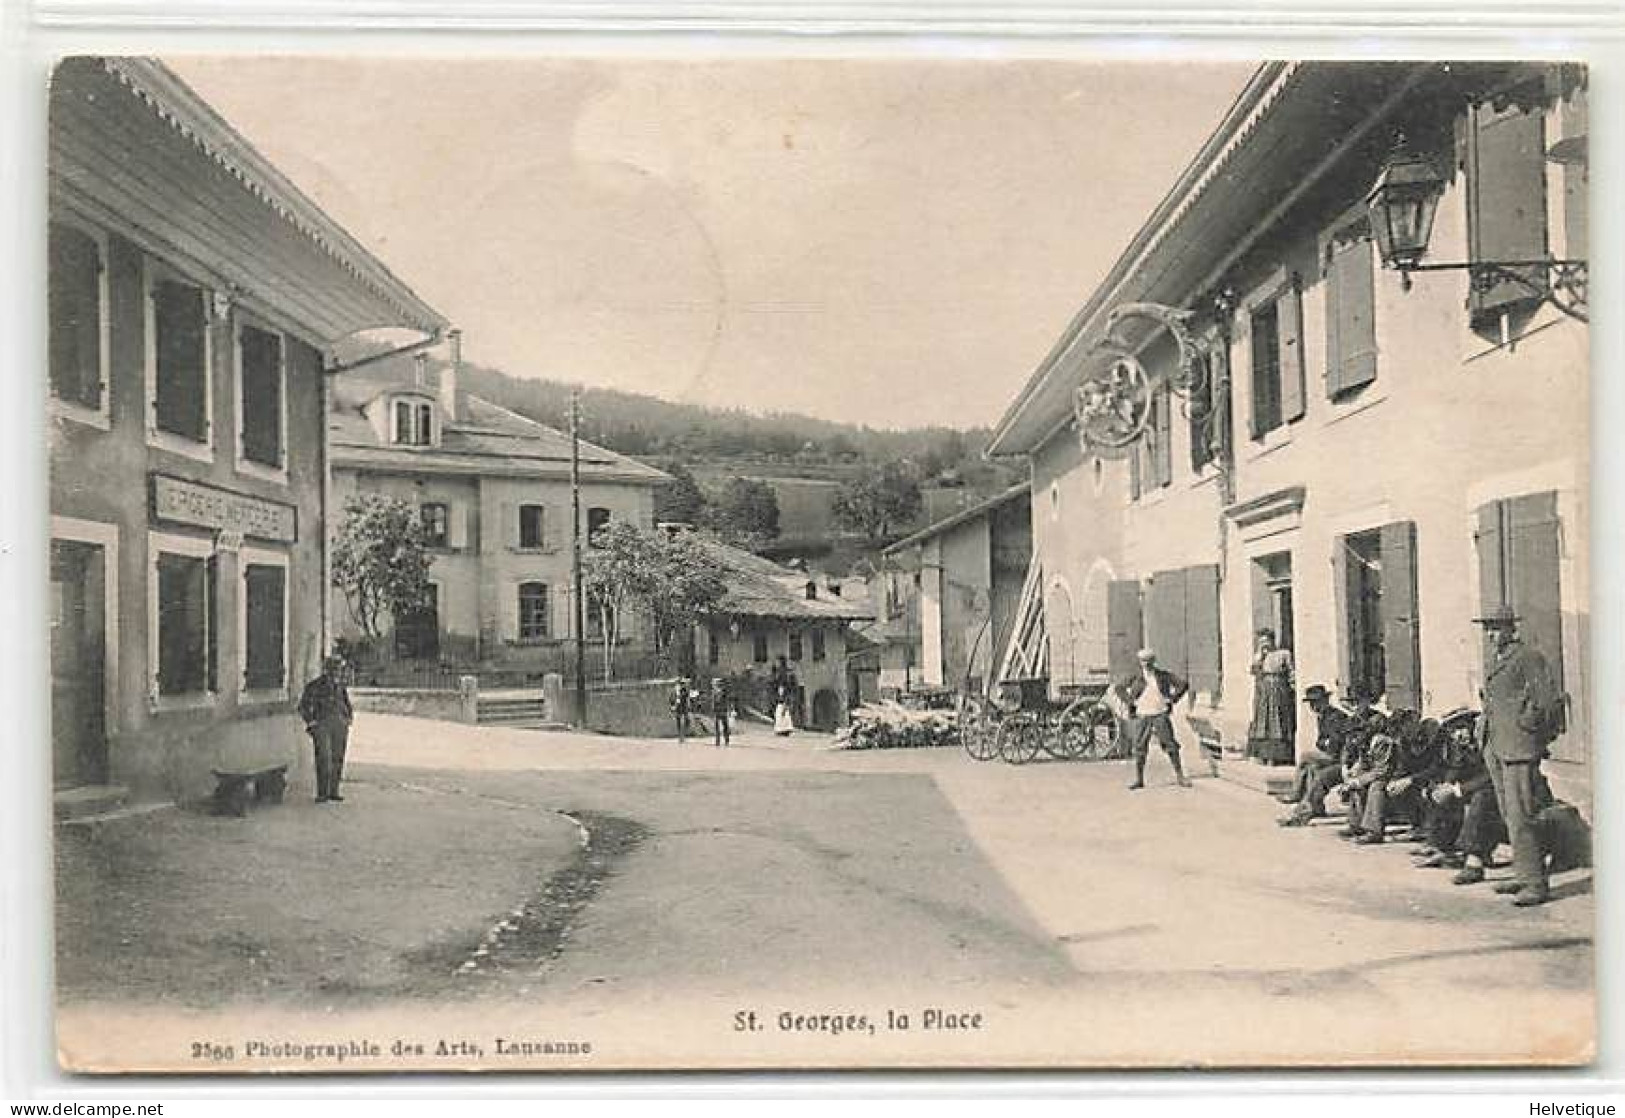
[(1428, 774)]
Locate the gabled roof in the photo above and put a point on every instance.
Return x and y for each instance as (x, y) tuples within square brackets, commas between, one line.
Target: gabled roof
[(964, 516), (758, 587), (485, 438)]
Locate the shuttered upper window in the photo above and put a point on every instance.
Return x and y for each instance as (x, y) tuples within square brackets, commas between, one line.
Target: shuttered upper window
[(260, 367), (1277, 362), (1506, 199), (77, 313), (1351, 328), (180, 356)]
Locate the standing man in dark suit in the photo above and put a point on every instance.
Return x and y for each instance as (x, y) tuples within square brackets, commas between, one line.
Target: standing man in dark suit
[(1148, 699), (1522, 716), (325, 707)]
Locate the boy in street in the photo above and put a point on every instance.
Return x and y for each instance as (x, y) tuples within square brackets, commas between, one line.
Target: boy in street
[(325, 707)]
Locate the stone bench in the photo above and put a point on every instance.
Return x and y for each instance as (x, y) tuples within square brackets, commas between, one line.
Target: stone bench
[(234, 790)]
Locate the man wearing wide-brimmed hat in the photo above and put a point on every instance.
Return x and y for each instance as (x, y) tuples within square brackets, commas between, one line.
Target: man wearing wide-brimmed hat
[(1522, 716), (1322, 769)]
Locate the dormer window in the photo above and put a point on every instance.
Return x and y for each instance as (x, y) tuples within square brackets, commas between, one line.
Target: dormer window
[(412, 423), (812, 591)]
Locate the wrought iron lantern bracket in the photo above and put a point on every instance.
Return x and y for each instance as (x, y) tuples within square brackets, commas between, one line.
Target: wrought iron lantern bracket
[(1565, 283)]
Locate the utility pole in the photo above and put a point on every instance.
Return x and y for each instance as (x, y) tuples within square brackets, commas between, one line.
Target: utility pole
[(580, 609)]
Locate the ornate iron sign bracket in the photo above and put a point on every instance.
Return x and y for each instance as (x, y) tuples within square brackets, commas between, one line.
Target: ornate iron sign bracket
[(1113, 407)]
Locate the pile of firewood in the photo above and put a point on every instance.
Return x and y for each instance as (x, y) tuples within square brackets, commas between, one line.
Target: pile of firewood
[(890, 725)]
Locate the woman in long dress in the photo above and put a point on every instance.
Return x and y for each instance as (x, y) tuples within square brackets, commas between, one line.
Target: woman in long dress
[(1270, 737), (782, 722)]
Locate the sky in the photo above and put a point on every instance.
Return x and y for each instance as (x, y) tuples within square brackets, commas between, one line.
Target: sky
[(890, 242)]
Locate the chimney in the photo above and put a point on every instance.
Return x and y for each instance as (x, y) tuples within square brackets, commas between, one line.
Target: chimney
[(450, 375), (420, 370)]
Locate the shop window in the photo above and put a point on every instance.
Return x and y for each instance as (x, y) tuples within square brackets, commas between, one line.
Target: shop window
[(260, 367), (186, 628), (180, 356), (532, 526), (77, 307), (265, 626), (535, 611), (436, 519)]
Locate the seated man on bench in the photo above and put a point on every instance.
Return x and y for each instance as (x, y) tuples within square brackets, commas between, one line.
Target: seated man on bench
[(1322, 769), (1367, 761), (1463, 819)]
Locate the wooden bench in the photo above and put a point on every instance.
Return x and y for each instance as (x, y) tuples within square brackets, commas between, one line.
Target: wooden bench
[(234, 790)]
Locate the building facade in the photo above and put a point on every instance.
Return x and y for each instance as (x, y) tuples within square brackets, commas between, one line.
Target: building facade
[(769, 613), (1360, 464), (192, 294), (971, 567), (493, 489)]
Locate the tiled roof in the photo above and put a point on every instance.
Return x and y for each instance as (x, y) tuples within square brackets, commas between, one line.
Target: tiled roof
[(485, 438), (758, 587)]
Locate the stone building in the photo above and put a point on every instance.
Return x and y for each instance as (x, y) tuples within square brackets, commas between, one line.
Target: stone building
[(1362, 463), (193, 292)]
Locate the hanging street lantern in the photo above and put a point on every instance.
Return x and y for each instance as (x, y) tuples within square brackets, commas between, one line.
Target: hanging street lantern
[(1401, 206)]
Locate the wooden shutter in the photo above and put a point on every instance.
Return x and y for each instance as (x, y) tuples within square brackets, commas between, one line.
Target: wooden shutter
[(74, 302), (1343, 598), (1259, 370), (1576, 181), (1289, 323), (1490, 540), (1165, 620), (1535, 551), (1351, 332), (1506, 199), (1124, 626), (181, 348), (266, 591), (1202, 627), (260, 357), (1401, 617)]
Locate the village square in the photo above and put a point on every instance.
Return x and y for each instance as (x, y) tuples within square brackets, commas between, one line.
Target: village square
[(1209, 686)]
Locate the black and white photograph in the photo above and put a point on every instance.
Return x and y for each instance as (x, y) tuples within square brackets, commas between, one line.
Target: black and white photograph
[(742, 563)]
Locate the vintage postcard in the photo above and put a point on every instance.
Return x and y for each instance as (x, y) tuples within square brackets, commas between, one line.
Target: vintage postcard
[(608, 563)]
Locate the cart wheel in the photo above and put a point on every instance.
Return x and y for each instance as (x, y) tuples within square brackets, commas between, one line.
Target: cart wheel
[(1073, 738), (1020, 739), (977, 731), (1105, 735)]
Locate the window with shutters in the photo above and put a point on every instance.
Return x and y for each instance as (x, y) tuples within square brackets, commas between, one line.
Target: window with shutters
[(261, 382), (1375, 591), (532, 526), (1519, 541), (1203, 419), (1506, 201), (436, 520), (758, 647), (412, 423), (1125, 634), (178, 362), (1276, 343), (77, 305), (535, 611), (1351, 329), (819, 651), (795, 645), (183, 641), (1151, 460), (264, 622)]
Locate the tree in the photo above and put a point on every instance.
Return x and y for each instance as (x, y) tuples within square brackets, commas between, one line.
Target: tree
[(746, 512), (680, 500), (381, 560), (671, 579), (877, 503)]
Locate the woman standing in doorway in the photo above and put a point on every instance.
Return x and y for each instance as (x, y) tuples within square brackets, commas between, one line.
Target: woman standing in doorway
[(1270, 737)]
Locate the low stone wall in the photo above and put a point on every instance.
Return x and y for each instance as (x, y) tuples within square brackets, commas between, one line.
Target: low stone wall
[(177, 761), (446, 706), (635, 709)]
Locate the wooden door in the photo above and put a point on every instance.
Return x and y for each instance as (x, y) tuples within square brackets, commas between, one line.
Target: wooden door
[(78, 665)]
